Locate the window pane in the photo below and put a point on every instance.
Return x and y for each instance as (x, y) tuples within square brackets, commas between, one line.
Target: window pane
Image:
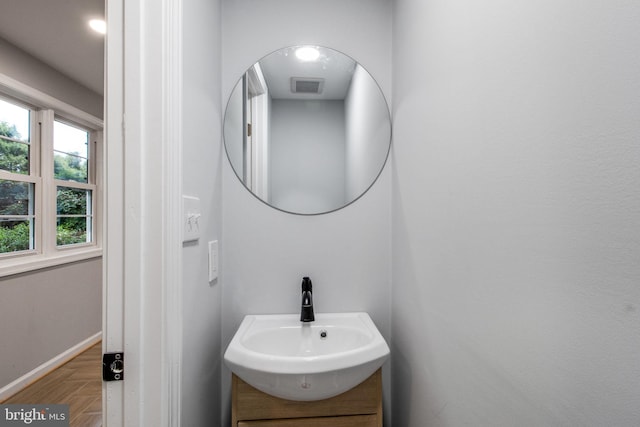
[(70, 146), (16, 216), (15, 121), (16, 198), (14, 138), (73, 230), (73, 201), (15, 235), (74, 216), (14, 156)]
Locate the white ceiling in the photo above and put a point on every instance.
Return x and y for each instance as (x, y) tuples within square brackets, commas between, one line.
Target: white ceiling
[(56, 32), (334, 67)]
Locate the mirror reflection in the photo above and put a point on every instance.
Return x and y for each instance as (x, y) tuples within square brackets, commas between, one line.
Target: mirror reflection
[(307, 130)]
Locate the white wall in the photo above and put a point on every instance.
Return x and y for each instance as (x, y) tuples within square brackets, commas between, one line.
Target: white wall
[(202, 157), (45, 313), (307, 162), (516, 213), (367, 133), (266, 252)]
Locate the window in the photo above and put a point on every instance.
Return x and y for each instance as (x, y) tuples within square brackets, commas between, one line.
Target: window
[(17, 184), (74, 191), (49, 173)]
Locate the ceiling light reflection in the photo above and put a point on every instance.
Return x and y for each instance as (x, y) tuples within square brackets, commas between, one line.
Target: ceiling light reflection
[(307, 53)]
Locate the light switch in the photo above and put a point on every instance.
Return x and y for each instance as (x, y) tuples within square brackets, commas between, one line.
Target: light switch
[(191, 218), (213, 260)]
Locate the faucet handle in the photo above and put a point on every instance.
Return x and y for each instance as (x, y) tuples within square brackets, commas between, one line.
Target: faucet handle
[(306, 284)]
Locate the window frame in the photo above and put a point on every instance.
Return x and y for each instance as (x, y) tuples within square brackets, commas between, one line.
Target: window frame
[(32, 177), (44, 111), (90, 185)]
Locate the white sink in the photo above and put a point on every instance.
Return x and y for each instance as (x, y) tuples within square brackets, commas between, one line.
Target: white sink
[(283, 357)]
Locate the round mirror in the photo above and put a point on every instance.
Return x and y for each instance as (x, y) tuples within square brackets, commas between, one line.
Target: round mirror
[(307, 130)]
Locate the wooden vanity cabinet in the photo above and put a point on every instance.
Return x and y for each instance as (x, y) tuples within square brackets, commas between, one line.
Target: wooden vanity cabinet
[(351, 421), (359, 407)]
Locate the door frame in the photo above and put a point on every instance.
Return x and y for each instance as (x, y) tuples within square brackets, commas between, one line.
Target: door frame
[(142, 264)]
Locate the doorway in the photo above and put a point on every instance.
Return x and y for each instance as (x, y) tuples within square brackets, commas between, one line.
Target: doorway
[(51, 295)]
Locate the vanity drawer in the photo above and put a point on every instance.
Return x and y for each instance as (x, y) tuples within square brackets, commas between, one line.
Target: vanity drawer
[(251, 407), (349, 421)]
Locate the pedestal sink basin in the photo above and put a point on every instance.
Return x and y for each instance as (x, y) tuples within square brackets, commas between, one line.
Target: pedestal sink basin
[(283, 357)]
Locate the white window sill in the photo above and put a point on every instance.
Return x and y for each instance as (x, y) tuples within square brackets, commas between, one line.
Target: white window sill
[(24, 264)]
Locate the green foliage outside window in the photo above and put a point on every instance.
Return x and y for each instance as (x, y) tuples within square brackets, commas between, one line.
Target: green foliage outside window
[(72, 201), (70, 168), (14, 236), (14, 156)]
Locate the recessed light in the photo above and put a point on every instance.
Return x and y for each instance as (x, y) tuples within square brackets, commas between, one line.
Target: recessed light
[(307, 53), (98, 25)]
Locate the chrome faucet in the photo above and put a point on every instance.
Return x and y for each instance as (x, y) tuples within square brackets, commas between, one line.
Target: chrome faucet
[(306, 314)]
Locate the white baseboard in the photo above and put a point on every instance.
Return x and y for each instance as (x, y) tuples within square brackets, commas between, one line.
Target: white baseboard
[(48, 366)]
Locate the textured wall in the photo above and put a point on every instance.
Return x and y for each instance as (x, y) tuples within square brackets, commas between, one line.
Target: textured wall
[(516, 213)]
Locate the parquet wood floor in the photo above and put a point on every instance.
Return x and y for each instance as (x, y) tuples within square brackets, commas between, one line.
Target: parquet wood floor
[(77, 383)]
